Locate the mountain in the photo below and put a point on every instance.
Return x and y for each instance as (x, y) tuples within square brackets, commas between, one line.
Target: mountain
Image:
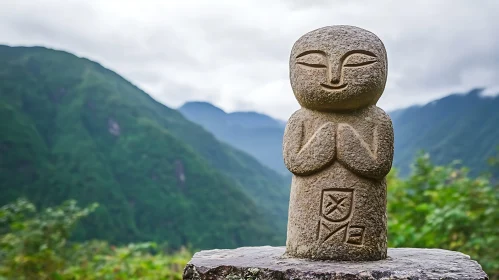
[(460, 127), (73, 129), (257, 134), (457, 127)]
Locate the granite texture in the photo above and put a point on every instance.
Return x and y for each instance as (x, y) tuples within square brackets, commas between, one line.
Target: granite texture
[(268, 263), (339, 146)]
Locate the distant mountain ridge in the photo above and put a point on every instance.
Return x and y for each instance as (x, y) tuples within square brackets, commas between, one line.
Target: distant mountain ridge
[(73, 129), (461, 127), (254, 133), (247, 119)]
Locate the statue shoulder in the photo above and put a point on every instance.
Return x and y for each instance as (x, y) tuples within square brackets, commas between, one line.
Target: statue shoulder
[(380, 114), (298, 116)]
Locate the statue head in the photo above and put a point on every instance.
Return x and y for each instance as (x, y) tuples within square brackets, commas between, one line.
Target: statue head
[(338, 68)]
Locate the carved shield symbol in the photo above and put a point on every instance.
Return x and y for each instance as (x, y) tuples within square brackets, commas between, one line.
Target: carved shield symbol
[(336, 204)]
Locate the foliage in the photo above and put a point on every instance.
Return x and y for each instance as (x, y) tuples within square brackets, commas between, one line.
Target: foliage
[(494, 166), (442, 207), (33, 242), (77, 130), (34, 245), (134, 261)]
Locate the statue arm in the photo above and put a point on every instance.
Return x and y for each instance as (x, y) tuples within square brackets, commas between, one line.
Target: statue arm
[(359, 157), (312, 157)]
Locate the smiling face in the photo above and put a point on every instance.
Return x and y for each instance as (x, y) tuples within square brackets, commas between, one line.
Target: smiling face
[(338, 68)]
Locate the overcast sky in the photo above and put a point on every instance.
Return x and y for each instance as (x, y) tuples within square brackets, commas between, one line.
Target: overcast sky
[(235, 53)]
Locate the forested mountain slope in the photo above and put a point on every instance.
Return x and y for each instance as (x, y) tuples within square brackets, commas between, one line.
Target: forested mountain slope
[(74, 129), (457, 127)]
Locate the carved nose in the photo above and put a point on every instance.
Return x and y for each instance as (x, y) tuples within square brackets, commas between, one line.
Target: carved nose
[(335, 74)]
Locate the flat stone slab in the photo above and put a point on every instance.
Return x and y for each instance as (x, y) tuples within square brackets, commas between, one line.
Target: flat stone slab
[(268, 263)]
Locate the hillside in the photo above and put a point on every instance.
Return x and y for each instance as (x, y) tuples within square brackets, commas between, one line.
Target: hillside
[(257, 134), (457, 127), (448, 129), (77, 130)]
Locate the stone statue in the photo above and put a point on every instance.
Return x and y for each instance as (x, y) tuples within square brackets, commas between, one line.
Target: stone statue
[(339, 146)]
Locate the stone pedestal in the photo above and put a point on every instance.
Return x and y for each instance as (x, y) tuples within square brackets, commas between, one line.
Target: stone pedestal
[(268, 263)]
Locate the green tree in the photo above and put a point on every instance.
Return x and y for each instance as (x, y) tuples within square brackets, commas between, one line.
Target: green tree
[(442, 207)]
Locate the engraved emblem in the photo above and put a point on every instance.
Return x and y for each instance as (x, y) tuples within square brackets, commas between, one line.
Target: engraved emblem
[(336, 211), (336, 204)]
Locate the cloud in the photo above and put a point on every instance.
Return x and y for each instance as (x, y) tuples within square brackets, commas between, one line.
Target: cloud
[(235, 53)]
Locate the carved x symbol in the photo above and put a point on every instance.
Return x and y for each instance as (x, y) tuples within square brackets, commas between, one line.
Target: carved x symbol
[(338, 202)]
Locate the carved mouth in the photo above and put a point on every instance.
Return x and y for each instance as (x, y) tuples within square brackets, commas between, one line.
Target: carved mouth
[(334, 87)]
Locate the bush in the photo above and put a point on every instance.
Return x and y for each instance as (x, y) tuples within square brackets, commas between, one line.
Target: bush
[(34, 245), (442, 207)]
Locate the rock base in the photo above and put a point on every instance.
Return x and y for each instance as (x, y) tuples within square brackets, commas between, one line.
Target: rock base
[(268, 263)]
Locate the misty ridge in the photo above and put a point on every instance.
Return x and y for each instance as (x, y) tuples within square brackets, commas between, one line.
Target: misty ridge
[(445, 128)]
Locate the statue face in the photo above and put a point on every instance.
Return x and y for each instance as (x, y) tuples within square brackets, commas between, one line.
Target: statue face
[(338, 68)]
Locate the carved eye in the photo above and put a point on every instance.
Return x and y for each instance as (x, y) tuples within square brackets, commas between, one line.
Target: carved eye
[(358, 59), (312, 59)]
